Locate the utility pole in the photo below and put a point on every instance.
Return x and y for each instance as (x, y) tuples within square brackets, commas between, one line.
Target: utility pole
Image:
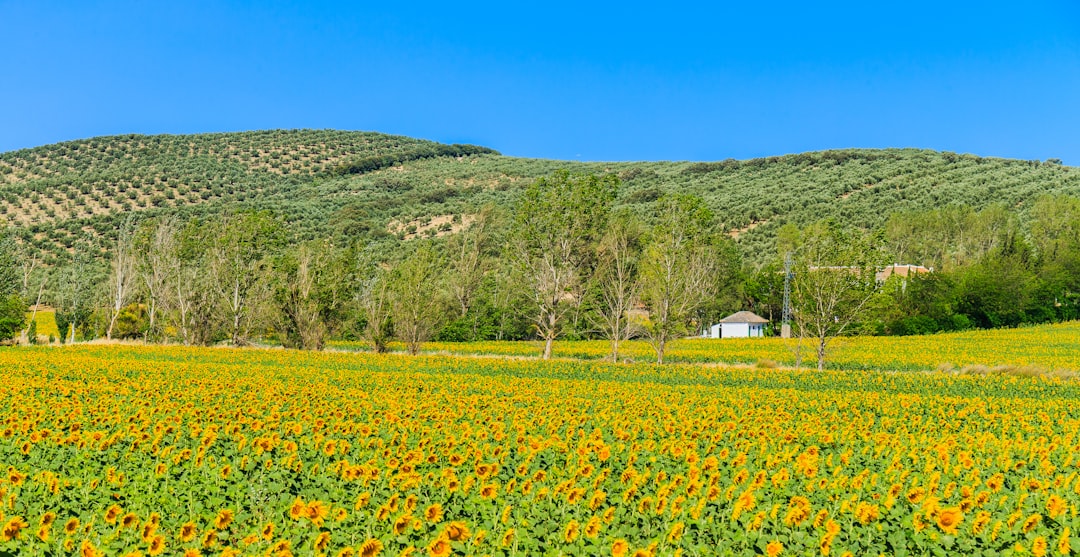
[(785, 324)]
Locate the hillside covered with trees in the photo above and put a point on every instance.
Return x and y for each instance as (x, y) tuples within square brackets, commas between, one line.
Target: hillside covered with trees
[(363, 185), (302, 236)]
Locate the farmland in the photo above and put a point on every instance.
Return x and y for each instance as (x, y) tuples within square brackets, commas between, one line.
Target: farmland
[(1044, 347), (171, 450)]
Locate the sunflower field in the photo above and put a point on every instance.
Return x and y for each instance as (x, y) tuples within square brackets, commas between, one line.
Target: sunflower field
[(109, 450), (1049, 347)]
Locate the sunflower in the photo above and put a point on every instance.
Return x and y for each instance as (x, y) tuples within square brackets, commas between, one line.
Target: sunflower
[(433, 513), (321, 541), (48, 518), (949, 519), (439, 548), (489, 491), (620, 548), (676, 532), (1063, 545), (112, 514), (401, 524), (71, 526), (209, 539), (87, 549), (457, 531), (774, 548), (507, 538), (187, 532), (980, 522), (1039, 547), (592, 527), (317, 511), (596, 499), (572, 531), (298, 509), (267, 531), (1056, 506), (1031, 522), (371, 548), (192, 553), (129, 520), (157, 546), (224, 519), (15, 478)]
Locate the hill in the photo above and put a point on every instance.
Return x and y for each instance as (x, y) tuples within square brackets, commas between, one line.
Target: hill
[(73, 195)]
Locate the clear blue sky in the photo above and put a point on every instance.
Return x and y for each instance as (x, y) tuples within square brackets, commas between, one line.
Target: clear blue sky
[(625, 81)]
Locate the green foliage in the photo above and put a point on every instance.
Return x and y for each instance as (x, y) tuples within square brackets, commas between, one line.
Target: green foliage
[(12, 316), (70, 197)]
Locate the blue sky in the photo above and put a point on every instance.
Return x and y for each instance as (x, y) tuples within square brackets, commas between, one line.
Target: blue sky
[(623, 81)]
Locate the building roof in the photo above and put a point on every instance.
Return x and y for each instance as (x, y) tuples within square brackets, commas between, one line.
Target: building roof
[(744, 317), (901, 270)]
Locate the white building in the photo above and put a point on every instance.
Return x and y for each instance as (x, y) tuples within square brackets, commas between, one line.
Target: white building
[(738, 325)]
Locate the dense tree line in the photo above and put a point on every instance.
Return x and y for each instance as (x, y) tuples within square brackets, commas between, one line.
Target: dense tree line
[(565, 261)]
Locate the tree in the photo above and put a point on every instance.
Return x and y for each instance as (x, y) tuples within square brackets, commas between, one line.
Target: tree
[(311, 291), (835, 275), (12, 304), (617, 281), (189, 287), (556, 225), (679, 267), (467, 264), (155, 248), (415, 292), (73, 297), (239, 264), (121, 285), (373, 299)]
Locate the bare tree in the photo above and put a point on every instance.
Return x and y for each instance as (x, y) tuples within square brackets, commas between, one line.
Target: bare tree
[(373, 299), (467, 265), (617, 280), (556, 225), (299, 297), (415, 291), (834, 281), (678, 268), (155, 256), (122, 276), (189, 287)]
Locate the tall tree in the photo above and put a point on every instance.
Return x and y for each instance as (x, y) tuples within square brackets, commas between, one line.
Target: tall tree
[(190, 287), (835, 279), (155, 248), (373, 298), (617, 281), (12, 304), (416, 292), (467, 264), (122, 276), (311, 291), (679, 267), (73, 294), (240, 265), (556, 225)]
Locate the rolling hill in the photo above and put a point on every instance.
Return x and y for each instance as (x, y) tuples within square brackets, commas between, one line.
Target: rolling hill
[(73, 195)]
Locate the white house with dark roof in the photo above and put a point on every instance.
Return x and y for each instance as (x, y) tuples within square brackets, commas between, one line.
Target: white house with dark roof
[(742, 324)]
